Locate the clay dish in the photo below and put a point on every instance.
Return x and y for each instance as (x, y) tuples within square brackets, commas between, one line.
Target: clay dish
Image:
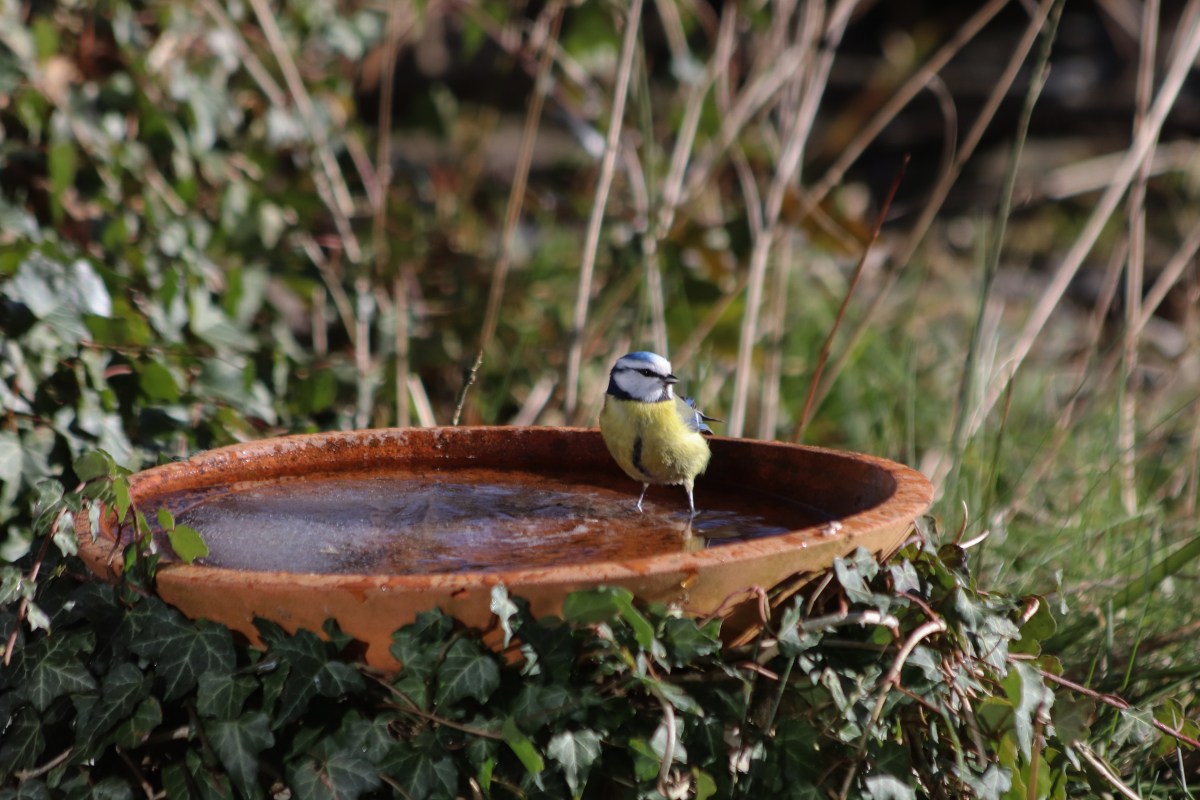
[(373, 527)]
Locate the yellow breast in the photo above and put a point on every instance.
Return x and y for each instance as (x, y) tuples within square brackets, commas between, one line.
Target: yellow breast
[(652, 443)]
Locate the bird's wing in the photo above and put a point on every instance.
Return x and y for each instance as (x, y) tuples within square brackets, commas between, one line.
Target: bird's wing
[(693, 417)]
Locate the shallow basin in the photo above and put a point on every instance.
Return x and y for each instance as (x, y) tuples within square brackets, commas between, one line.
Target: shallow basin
[(372, 527)]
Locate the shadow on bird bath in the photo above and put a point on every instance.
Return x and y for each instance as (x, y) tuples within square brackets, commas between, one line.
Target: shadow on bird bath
[(372, 527)]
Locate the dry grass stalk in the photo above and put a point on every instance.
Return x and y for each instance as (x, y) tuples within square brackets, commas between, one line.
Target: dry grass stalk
[(547, 33), (331, 184), (821, 36), (827, 346), (1147, 133), (941, 190), (378, 192), (603, 184), (1127, 416)]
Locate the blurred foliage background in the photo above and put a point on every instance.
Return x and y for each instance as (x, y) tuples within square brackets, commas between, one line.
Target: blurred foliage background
[(227, 220)]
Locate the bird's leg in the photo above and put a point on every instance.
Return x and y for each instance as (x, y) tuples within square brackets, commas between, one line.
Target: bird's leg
[(691, 501), (645, 486)]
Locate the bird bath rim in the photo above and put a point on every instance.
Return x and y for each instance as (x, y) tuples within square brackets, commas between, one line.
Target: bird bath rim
[(880, 498)]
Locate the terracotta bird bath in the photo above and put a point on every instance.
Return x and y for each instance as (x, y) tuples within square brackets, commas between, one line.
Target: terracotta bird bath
[(373, 527)]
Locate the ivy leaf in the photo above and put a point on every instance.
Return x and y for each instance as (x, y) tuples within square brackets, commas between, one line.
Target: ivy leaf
[(504, 609), (92, 465), (418, 644), (23, 742), (575, 751), (595, 605), (187, 543), (182, 650), (522, 746), (537, 705), (111, 788), (688, 641), (466, 671), (121, 692), (157, 383), (549, 649), (135, 730), (888, 787), (423, 776), (344, 775), (304, 655), (50, 668), (123, 501), (221, 696), (1029, 695), (854, 573), (238, 743), (338, 678)]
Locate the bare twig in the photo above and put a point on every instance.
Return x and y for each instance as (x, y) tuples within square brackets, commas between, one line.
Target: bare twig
[(889, 682), (603, 184), (1106, 772)]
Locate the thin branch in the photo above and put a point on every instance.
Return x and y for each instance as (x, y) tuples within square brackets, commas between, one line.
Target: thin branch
[(1106, 772), (889, 681), (603, 184)]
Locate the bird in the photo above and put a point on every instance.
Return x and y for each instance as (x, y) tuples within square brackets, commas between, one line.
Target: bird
[(654, 435)]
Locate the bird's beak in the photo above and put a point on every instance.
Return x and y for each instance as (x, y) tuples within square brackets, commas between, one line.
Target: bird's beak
[(670, 379)]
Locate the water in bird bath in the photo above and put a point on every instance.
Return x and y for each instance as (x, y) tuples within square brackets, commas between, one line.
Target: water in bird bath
[(405, 522)]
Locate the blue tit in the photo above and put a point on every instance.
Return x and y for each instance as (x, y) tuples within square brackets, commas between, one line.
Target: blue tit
[(654, 435)]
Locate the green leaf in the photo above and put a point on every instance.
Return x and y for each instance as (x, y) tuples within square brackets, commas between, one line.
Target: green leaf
[(687, 641), (853, 574), (505, 610), (121, 692), (221, 696), (135, 730), (595, 605), (466, 671), (94, 464), (305, 658), (123, 501), (422, 775), (575, 751), (166, 519), (888, 787), (350, 775), (182, 650), (1029, 696), (157, 383), (112, 788), (50, 668), (238, 743), (23, 742), (187, 543), (522, 746)]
